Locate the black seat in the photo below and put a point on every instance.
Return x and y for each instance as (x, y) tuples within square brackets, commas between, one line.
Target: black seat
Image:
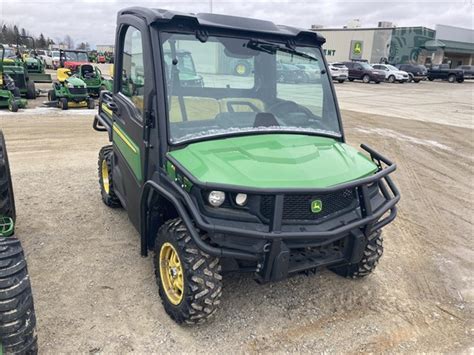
[(265, 119)]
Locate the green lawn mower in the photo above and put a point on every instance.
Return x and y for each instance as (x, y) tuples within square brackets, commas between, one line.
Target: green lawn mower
[(70, 91), (9, 93), (16, 68), (93, 78), (17, 312), (35, 65)]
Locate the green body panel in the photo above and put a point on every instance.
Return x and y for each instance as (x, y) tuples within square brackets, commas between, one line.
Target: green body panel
[(275, 161), (18, 74), (129, 149)]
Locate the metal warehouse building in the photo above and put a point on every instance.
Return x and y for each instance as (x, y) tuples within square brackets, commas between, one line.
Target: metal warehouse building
[(396, 45)]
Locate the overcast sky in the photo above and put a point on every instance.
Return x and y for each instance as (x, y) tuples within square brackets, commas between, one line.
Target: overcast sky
[(94, 20)]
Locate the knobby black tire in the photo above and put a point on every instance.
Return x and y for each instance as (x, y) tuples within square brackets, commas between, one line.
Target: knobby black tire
[(110, 199), (202, 276), (372, 254), (7, 200), (17, 313)]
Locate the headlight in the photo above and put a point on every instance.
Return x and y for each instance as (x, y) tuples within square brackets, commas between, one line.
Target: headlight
[(241, 199), (216, 198)]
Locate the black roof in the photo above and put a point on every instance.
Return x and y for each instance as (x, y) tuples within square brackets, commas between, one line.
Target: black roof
[(220, 21)]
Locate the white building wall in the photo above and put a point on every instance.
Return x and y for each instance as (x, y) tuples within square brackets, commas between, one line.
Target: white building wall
[(338, 43)]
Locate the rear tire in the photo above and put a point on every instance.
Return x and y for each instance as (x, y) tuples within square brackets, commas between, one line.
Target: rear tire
[(372, 254), (200, 274), (341, 81), (17, 313), (416, 81), (7, 199), (30, 90), (106, 178)]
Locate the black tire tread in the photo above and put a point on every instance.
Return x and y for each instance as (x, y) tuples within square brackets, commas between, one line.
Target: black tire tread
[(17, 313), (7, 200), (202, 274), (372, 254), (110, 199)]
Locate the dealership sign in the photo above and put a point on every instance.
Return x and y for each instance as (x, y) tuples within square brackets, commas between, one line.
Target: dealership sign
[(330, 52), (356, 49)]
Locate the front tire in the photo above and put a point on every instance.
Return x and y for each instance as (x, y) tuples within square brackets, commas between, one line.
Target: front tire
[(372, 254), (366, 79), (106, 178), (63, 103), (189, 280), (90, 103), (17, 313), (341, 81), (391, 79), (451, 78)]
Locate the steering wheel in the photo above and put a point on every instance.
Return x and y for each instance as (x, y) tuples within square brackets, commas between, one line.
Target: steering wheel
[(286, 107)]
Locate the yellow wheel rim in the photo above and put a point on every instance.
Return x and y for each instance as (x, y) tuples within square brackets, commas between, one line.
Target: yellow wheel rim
[(240, 69), (105, 176), (171, 273)]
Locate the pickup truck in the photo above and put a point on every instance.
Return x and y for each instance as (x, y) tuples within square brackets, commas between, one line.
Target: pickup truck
[(443, 72)]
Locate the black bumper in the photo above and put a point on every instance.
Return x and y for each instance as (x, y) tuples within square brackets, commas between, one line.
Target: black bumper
[(275, 250)]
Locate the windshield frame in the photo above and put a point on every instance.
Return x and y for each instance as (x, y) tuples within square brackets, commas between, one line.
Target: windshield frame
[(278, 40)]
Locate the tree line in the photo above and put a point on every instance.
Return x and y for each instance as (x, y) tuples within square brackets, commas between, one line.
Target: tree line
[(10, 33)]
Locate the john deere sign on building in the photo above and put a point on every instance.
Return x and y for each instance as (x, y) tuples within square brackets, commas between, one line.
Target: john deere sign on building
[(356, 49), (396, 45)]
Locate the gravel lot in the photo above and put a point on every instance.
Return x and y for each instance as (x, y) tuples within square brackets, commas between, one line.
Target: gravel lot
[(94, 293)]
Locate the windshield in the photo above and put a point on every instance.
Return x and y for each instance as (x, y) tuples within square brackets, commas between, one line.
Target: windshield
[(233, 86), (9, 53), (391, 67), (76, 56), (366, 66), (55, 54)]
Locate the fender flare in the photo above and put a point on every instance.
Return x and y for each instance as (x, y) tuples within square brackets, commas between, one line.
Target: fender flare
[(183, 213)]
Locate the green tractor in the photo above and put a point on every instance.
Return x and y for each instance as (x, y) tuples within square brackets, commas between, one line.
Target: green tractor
[(35, 65), (16, 68), (70, 91), (93, 78), (9, 93), (17, 312)]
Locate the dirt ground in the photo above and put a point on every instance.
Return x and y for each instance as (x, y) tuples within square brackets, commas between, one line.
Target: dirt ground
[(94, 293)]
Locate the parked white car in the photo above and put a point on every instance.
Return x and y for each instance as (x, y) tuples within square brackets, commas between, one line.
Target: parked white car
[(55, 59), (392, 74), (339, 72), (45, 57)]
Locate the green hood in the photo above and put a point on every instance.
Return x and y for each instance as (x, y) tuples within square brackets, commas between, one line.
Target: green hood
[(275, 161), (74, 80)]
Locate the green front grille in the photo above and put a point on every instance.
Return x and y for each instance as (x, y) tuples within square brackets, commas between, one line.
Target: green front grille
[(6, 226)]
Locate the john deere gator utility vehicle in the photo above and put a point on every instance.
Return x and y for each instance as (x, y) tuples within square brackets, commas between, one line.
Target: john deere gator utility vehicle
[(244, 174), (9, 93), (17, 313), (34, 64), (70, 91), (16, 68)]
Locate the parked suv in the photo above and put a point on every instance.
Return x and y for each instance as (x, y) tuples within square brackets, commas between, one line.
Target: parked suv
[(416, 72), (339, 72), (364, 71), (392, 74)]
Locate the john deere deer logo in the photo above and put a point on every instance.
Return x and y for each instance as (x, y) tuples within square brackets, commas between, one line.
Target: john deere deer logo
[(357, 48), (316, 206)]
